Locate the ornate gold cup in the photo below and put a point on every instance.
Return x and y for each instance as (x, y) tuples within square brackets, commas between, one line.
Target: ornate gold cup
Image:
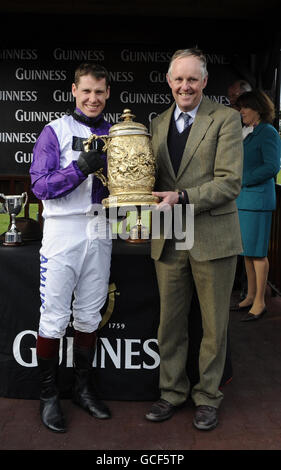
[(130, 163), (130, 168)]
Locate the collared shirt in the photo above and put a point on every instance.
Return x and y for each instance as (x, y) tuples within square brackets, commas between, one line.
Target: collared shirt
[(179, 117), (246, 130)]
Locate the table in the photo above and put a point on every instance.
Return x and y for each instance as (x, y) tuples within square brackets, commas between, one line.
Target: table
[(126, 365)]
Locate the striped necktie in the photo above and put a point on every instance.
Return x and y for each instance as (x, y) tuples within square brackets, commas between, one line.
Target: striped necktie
[(186, 118)]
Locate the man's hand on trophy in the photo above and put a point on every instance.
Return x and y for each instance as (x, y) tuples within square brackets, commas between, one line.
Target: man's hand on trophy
[(91, 161), (167, 199)]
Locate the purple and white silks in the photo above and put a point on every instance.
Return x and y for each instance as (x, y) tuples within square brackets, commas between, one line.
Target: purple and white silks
[(55, 176)]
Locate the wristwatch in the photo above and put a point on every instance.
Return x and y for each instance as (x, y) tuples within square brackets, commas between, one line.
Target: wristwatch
[(181, 197)]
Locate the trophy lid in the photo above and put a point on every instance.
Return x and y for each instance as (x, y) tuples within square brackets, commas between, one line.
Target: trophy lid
[(128, 126)]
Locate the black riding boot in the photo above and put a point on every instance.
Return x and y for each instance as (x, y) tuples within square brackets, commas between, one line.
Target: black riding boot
[(83, 393), (50, 410)]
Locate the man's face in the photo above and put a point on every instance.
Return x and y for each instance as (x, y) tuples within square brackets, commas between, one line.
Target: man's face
[(233, 93), (91, 95), (186, 82)]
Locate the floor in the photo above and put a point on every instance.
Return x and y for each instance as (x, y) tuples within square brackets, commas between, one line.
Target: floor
[(249, 418)]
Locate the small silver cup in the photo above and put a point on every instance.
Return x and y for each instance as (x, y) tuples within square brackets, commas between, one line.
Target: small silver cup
[(139, 233), (13, 205)]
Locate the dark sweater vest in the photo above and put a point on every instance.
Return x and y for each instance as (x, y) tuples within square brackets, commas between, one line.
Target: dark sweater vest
[(176, 144)]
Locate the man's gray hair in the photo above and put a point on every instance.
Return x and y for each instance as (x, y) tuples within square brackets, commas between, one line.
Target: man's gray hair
[(244, 86), (193, 52)]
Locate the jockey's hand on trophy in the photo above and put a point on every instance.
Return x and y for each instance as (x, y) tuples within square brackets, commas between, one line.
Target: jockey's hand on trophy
[(89, 162)]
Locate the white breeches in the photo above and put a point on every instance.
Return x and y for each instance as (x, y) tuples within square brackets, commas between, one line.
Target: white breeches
[(75, 265)]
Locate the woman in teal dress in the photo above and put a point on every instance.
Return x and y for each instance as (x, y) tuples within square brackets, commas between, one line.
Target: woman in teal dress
[(257, 198)]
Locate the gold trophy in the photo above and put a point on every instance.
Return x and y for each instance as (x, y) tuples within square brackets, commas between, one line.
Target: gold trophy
[(130, 170)]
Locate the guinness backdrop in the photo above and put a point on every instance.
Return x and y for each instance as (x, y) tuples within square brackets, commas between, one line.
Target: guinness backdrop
[(35, 88), (39, 53)]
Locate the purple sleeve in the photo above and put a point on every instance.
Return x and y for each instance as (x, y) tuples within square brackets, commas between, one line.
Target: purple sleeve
[(48, 180)]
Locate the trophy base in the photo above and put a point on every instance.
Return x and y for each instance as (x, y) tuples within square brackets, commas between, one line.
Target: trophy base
[(13, 238), (13, 243), (137, 240), (127, 200)]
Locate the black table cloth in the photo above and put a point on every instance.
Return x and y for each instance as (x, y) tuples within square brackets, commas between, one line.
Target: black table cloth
[(126, 364)]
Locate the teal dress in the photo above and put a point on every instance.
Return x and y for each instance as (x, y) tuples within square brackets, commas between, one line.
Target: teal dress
[(257, 199)]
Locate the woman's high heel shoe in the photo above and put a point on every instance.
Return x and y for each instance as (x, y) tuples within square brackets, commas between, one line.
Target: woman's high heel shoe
[(251, 316)]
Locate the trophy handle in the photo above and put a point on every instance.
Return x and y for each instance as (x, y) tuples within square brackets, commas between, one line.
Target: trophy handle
[(2, 204), (87, 146), (25, 200), (87, 143)]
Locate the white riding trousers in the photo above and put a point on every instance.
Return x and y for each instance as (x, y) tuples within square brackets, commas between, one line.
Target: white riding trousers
[(75, 265)]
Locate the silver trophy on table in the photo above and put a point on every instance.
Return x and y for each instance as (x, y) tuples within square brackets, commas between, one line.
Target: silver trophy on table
[(13, 205)]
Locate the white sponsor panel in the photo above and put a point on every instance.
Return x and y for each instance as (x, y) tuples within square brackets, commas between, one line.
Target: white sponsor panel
[(123, 353)]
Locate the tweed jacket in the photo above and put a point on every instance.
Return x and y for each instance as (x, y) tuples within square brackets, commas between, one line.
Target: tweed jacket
[(210, 172), (262, 150)]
